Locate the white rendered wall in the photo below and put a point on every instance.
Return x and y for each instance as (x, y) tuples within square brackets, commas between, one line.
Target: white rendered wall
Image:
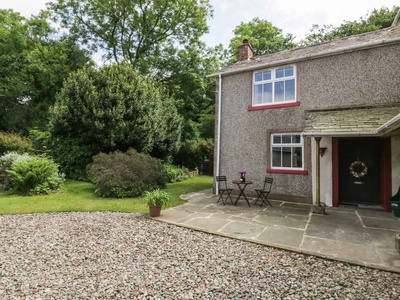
[(325, 171), (395, 163)]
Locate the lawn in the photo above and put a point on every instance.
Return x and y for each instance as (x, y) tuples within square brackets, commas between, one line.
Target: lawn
[(79, 196)]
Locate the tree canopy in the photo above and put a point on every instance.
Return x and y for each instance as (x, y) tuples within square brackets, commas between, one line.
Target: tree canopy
[(264, 37), (377, 19), (34, 60), (133, 30)]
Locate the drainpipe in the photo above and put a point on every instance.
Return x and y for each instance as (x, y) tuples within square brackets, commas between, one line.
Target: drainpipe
[(219, 129)]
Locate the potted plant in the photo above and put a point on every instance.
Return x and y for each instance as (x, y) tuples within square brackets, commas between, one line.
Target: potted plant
[(156, 199)]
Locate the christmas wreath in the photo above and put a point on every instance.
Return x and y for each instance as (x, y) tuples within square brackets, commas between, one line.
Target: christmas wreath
[(358, 169)]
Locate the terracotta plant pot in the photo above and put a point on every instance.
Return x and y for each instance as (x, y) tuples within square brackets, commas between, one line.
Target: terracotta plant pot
[(155, 210)]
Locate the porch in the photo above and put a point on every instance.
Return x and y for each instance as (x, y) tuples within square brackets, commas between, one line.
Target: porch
[(355, 235)]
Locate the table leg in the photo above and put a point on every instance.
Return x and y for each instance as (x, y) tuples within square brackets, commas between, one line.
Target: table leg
[(242, 193)]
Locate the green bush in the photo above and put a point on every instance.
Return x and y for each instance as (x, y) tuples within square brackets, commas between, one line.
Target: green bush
[(6, 162), (193, 153), (71, 154), (128, 174), (175, 173), (41, 141), (36, 175), (14, 142)]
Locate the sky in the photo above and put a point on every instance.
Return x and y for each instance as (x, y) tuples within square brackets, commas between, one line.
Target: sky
[(292, 16)]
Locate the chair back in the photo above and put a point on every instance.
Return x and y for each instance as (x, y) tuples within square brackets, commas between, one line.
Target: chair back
[(221, 181), (268, 183)]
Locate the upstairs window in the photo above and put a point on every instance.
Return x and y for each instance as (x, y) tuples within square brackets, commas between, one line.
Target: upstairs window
[(274, 86), (287, 151)]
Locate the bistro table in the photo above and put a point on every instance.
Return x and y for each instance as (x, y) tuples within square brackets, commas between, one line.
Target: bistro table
[(242, 186)]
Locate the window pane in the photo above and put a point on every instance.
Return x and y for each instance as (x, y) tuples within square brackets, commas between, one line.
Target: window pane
[(297, 157), (288, 71), (268, 93), (286, 139), (286, 157), (296, 139), (289, 89), (277, 139), (258, 94), (276, 156), (258, 77), (279, 73), (279, 91), (267, 75)]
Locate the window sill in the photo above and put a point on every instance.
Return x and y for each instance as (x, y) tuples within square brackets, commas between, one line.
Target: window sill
[(271, 106), (296, 172)]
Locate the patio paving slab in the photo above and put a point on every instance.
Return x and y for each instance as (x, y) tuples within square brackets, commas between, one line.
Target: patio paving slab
[(358, 236)]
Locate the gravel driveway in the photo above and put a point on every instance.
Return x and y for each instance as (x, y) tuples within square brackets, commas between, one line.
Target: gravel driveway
[(128, 256)]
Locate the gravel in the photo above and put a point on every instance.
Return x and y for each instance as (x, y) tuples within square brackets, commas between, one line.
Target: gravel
[(109, 255)]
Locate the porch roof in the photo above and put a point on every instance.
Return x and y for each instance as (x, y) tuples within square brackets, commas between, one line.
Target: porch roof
[(373, 121)]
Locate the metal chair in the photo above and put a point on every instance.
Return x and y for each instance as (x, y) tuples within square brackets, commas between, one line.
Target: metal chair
[(263, 193), (223, 189)]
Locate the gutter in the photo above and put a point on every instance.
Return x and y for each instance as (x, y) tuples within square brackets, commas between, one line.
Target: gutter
[(388, 123), (309, 57), (219, 130)]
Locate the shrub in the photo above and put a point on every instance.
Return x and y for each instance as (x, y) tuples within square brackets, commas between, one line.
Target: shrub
[(175, 173), (6, 162), (129, 174), (14, 142), (36, 175), (41, 141), (71, 154), (193, 153)]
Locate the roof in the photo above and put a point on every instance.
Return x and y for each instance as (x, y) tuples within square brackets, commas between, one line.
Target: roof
[(380, 121), (352, 43)]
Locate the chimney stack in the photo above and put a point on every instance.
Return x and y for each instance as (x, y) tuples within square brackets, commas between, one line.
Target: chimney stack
[(245, 51)]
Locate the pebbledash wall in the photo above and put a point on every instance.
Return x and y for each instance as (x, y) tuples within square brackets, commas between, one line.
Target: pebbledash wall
[(360, 78)]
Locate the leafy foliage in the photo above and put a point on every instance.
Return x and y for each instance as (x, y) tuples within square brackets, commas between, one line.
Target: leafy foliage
[(34, 61), (73, 154), (157, 197), (114, 108), (263, 36), (128, 174), (6, 162), (377, 19), (133, 31), (41, 141), (175, 173), (193, 153), (36, 175), (14, 142)]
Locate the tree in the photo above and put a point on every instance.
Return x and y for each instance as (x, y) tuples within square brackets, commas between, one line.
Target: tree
[(263, 36), (184, 75), (34, 60), (376, 20), (133, 30), (114, 108)]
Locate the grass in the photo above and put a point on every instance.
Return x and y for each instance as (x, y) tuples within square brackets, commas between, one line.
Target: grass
[(79, 196)]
